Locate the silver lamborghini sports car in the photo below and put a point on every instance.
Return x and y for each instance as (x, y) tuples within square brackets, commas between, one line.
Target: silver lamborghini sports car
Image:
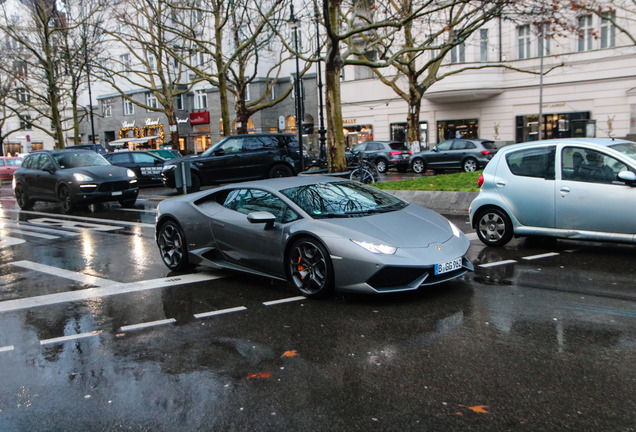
[(318, 232)]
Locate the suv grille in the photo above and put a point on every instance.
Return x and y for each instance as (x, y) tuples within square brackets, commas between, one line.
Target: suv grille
[(114, 186)]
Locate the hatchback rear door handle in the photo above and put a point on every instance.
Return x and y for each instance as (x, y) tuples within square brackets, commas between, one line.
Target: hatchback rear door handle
[(564, 190), (501, 182)]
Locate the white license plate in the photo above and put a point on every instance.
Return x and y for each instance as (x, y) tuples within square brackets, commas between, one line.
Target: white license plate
[(448, 266), (117, 193)]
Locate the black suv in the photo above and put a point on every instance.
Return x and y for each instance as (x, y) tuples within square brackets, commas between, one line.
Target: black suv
[(238, 158), (94, 147), (72, 178), (384, 154)]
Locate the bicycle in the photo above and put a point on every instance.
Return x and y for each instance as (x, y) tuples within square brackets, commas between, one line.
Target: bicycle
[(363, 171)]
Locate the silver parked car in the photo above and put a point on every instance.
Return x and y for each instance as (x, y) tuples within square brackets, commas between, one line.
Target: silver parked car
[(573, 188), (320, 233)]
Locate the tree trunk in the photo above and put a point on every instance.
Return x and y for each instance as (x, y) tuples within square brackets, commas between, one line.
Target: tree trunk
[(333, 66)]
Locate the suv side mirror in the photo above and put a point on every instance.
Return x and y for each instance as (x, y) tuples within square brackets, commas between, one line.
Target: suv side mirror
[(49, 169), (219, 152)]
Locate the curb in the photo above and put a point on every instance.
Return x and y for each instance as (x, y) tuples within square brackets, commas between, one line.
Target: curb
[(454, 203)]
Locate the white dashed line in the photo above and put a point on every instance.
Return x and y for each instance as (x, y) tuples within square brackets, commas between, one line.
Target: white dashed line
[(545, 255), (69, 338), (497, 263), (10, 241), (285, 300), (147, 324), (7, 348), (220, 312)]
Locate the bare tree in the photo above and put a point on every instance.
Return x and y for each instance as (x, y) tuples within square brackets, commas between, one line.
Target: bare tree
[(45, 64), (145, 33)]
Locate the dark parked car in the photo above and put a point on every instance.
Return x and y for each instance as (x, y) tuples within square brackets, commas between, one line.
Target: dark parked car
[(147, 166), (72, 177), (94, 147), (384, 154), (320, 233), (238, 158), (165, 153), (465, 154)]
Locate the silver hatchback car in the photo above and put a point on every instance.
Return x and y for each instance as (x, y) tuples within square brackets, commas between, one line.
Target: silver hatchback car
[(573, 188)]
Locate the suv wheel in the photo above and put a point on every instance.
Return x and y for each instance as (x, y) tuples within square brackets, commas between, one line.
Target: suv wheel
[(382, 165), (280, 171), (22, 198), (470, 165), (418, 166), (64, 197)]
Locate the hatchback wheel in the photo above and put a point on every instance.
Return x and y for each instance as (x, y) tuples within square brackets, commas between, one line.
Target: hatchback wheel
[(65, 198), (310, 268), (494, 227), (470, 165), (22, 198), (418, 166), (172, 246)]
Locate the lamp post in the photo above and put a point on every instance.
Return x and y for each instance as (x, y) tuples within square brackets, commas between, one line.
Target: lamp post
[(299, 103), (322, 139)]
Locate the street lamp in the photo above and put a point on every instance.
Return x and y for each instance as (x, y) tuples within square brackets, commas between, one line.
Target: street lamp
[(322, 139), (299, 103)]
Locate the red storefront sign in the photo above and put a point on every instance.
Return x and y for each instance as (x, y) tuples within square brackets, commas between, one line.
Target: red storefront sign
[(201, 117)]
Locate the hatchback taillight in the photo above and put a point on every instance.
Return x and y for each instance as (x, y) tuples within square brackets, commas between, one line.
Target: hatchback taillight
[(395, 153), (486, 152), (480, 181)]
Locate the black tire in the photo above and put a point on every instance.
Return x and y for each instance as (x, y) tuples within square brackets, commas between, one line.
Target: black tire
[(382, 165), (66, 199), (494, 227), (470, 165), (21, 197), (280, 170), (127, 203), (310, 269), (173, 247), (418, 165)]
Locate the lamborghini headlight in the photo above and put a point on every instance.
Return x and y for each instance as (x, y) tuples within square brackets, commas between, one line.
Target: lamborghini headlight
[(376, 248)]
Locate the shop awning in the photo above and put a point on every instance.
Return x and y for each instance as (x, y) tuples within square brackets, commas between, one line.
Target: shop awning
[(123, 141)]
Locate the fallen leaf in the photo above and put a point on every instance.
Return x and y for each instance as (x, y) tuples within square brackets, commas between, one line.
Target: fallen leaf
[(458, 413), (259, 375), (481, 409), (292, 353)]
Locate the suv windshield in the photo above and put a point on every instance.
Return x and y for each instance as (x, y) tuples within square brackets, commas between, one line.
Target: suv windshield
[(71, 159), (628, 149), (342, 199)]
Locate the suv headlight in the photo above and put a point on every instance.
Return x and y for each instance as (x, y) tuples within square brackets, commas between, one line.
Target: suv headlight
[(81, 177), (131, 173), (169, 167)]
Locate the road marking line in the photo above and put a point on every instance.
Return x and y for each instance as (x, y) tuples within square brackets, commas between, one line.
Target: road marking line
[(472, 236), (10, 241), (94, 220), (124, 329), (220, 312), (285, 300), (545, 255), (25, 226), (32, 234), (67, 274), (70, 337), (116, 288), (497, 263), (7, 348)]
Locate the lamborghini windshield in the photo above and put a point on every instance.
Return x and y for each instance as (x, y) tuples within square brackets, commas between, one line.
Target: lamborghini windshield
[(342, 199)]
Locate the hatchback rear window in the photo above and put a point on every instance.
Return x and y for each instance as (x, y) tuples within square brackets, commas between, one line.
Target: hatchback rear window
[(398, 146)]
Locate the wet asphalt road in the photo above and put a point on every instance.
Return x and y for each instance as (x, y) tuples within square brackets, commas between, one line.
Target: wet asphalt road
[(96, 334)]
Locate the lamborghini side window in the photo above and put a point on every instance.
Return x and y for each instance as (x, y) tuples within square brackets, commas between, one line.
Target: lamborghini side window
[(252, 200)]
